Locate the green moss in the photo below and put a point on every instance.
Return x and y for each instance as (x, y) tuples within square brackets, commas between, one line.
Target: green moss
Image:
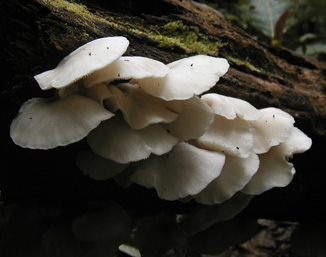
[(173, 35), (73, 7), (188, 38), (245, 63)]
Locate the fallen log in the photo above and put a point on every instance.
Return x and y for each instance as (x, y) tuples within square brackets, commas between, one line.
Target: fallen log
[(38, 34)]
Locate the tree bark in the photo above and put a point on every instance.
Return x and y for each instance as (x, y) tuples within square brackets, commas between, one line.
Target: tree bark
[(38, 34)]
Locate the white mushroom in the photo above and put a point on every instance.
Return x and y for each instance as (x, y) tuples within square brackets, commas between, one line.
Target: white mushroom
[(230, 131), (83, 61), (230, 136), (296, 143), (135, 67), (187, 77), (186, 170), (274, 169), (194, 119), (140, 109), (98, 93), (115, 140), (231, 108), (96, 167), (48, 123), (235, 174), (272, 129)]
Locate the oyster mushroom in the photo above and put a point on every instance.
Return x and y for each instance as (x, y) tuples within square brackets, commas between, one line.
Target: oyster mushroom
[(272, 129), (140, 109), (236, 173), (115, 140), (48, 123), (274, 169), (187, 77), (83, 61), (184, 171), (127, 67)]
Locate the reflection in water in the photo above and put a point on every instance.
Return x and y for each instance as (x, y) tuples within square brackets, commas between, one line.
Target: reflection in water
[(98, 229)]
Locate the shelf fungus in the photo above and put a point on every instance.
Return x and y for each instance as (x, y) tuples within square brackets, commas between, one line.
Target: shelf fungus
[(152, 124)]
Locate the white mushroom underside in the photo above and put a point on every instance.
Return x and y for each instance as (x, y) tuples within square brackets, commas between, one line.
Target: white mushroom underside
[(235, 174), (230, 136), (186, 170), (274, 169), (115, 140), (140, 109), (194, 119), (48, 123)]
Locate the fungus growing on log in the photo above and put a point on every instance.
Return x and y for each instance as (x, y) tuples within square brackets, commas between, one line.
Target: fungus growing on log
[(139, 113)]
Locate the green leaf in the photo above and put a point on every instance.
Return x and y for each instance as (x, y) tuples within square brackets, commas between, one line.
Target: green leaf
[(263, 14), (312, 49)]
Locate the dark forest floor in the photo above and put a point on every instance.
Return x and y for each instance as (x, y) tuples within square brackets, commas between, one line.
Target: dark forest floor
[(282, 239)]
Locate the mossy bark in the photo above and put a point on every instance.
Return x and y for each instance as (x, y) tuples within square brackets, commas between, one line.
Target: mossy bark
[(38, 34)]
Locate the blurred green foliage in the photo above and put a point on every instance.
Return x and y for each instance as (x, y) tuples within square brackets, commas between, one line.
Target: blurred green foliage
[(304, 30)]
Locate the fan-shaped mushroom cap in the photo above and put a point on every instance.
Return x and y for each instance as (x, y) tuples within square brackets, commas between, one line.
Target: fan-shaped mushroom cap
[(116, 141), (297, 142), (128, 67), (140, 109), (83, 61), (274, 169), (194, 119), (236, 173), (48, 123), (98, 93), (97, 167), (184, 171), (187, 77), (231, 108), (272, 129), (230, 136)]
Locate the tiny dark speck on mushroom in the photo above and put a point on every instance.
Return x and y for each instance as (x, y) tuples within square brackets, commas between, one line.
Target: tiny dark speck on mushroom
[(191, 65), (107, 47), (273, 115), (90, 54), (238, 147)]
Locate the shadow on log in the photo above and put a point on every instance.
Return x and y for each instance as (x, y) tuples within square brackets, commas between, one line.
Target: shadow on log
[(36, 35)]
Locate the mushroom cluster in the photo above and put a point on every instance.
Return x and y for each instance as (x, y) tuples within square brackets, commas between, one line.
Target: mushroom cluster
[(140, 113)]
